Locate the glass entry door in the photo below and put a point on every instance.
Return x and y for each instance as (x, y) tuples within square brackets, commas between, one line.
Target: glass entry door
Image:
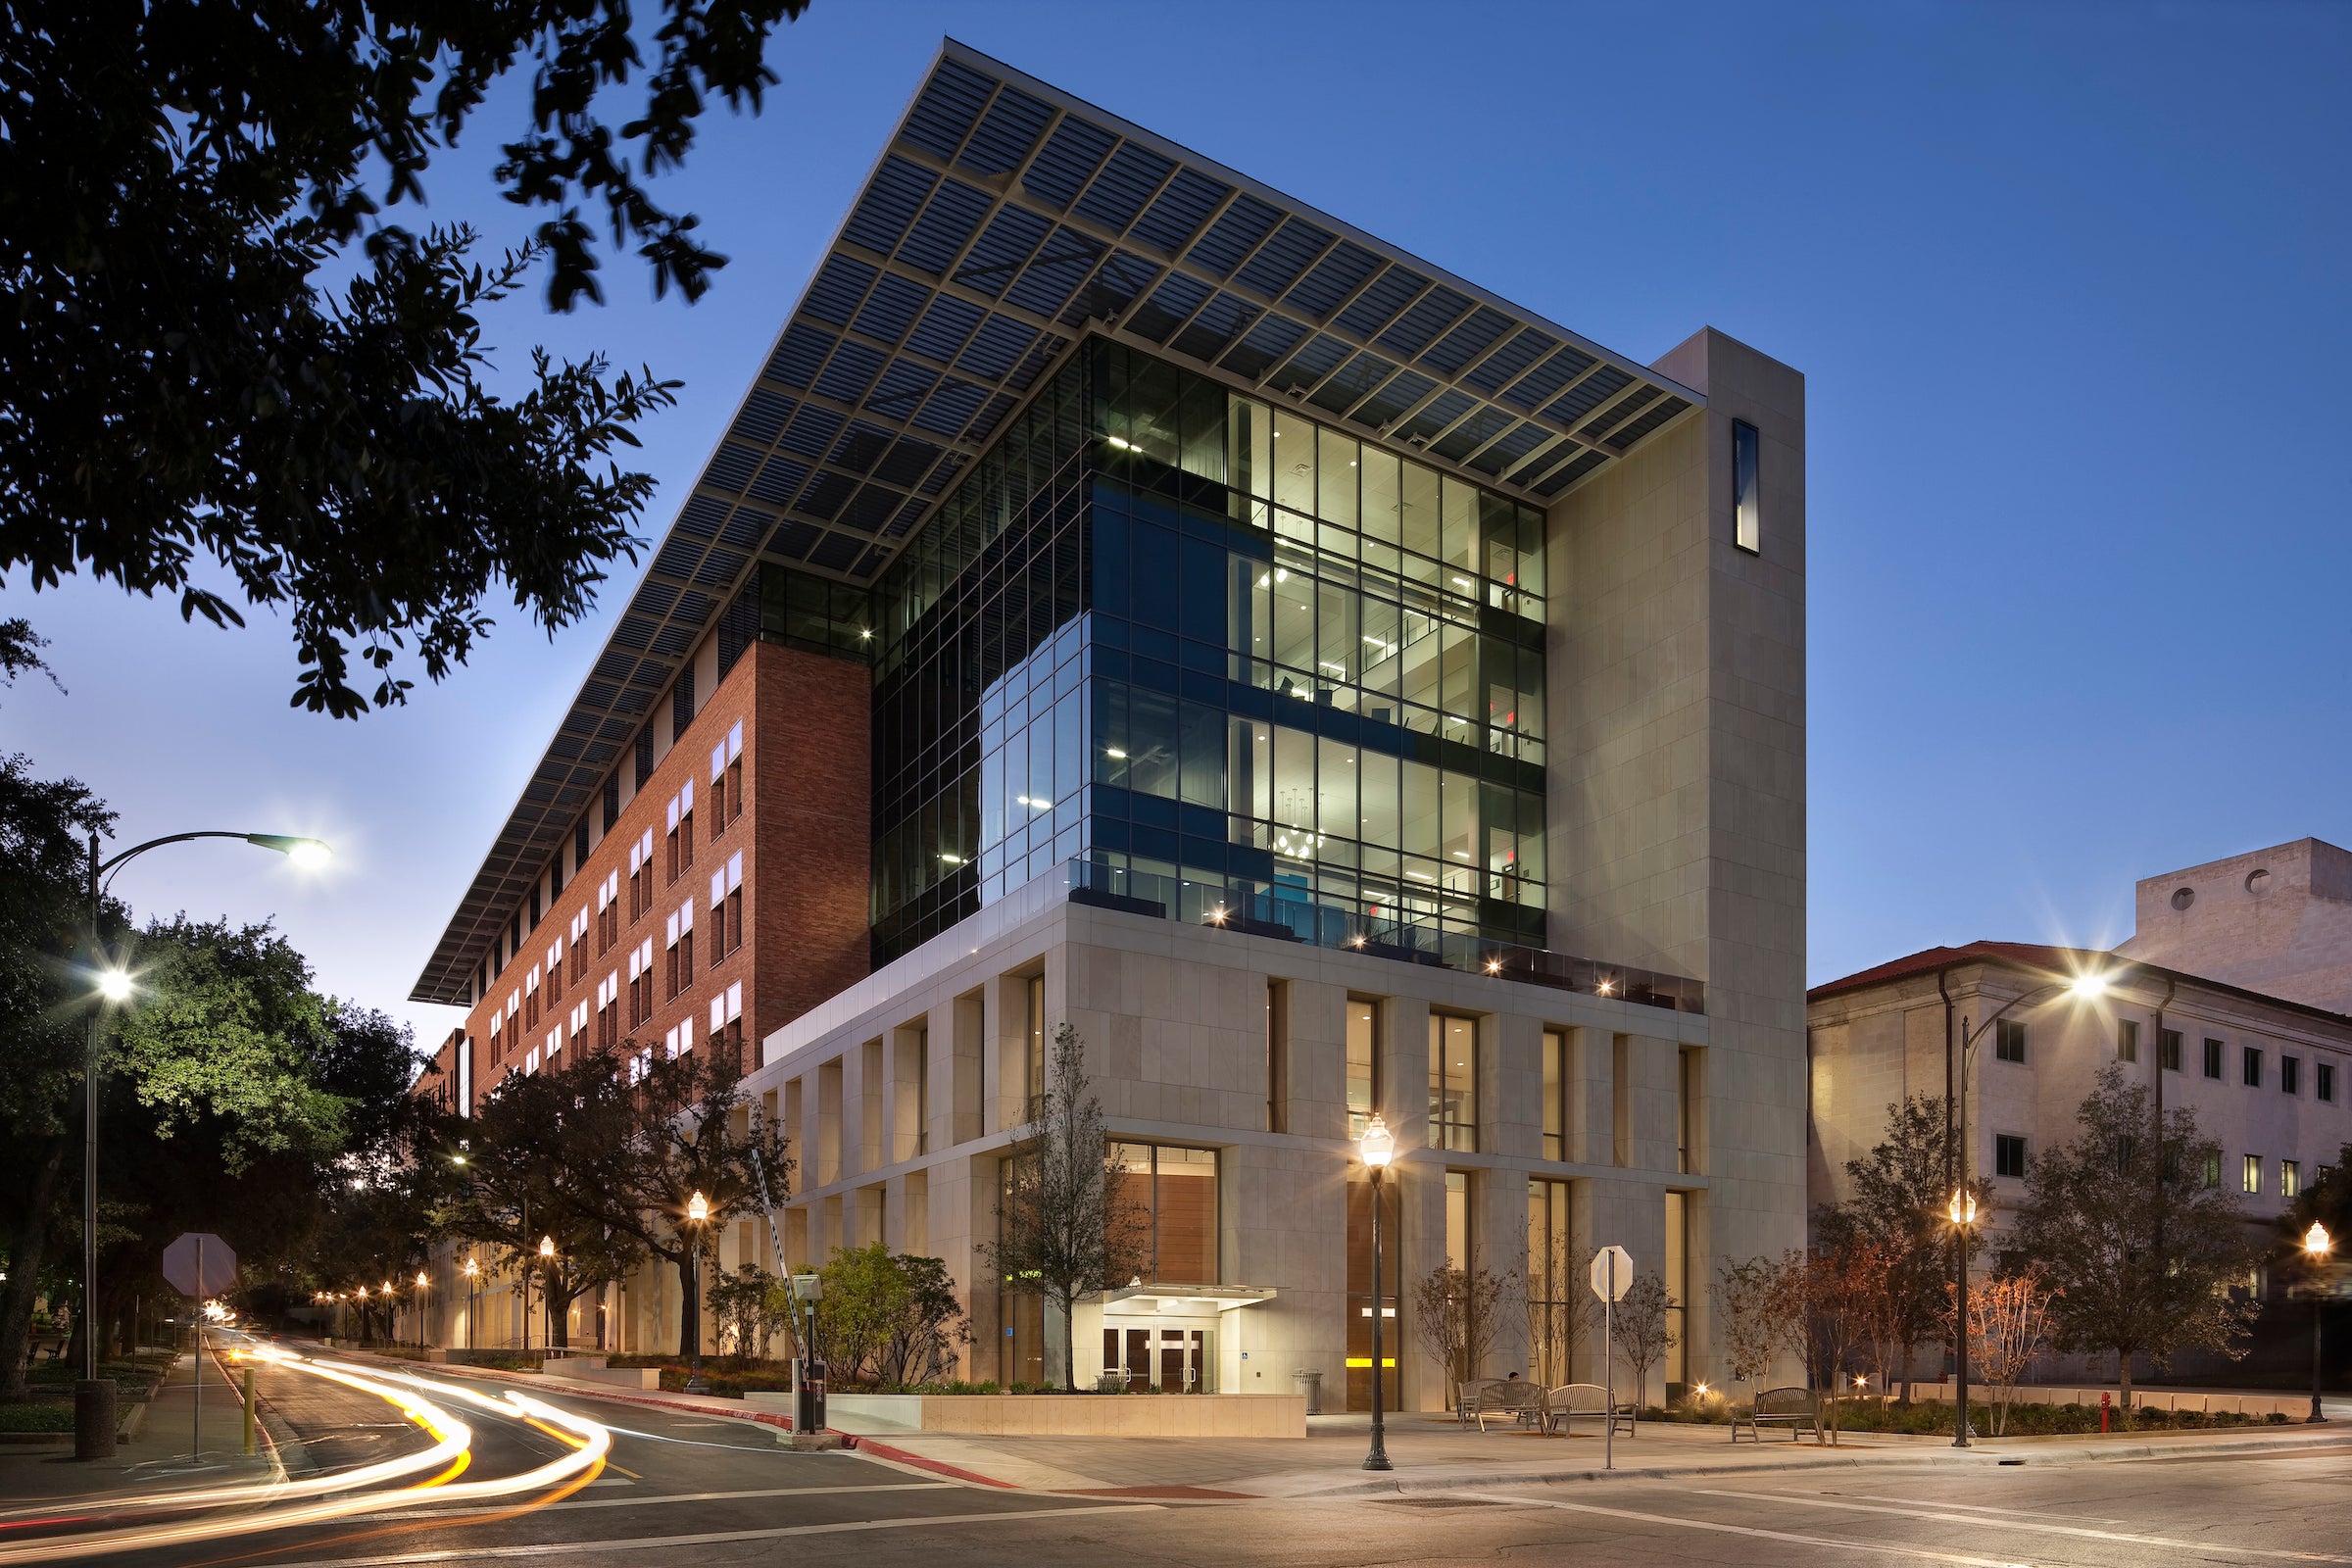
[(1171, 1360)]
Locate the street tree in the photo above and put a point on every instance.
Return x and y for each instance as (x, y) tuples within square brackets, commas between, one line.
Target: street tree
[(1562, 1315), (1899, 1192), (1644, 1329), (1072, 1222), (2008, 1324), (890, 1319), (1456, 1313), (2124, 1286), (231, 366), (1745, 1297)]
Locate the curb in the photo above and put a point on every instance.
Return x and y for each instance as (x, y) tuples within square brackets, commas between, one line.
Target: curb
[(766, 1418), (883, 1450)]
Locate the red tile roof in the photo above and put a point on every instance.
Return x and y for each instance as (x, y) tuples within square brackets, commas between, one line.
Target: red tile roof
[(2035, 956)]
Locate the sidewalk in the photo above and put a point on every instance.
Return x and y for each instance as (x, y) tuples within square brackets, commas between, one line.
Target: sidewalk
[(155, 1457)]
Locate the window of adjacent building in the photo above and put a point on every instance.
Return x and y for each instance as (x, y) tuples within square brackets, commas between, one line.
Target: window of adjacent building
[(1677, 1278), (1033, 1072), (2009, 1040), (1462, 1239), (1277, 1054), (2168, 1047), (1174, 1190), (1686, 1109), (2008, 1154), (2291, 1178), (1555, 1094), (2322, 1079), (1363, 1064), (2213, 1169), (2212, 1058), (2253, 1173), (1453, 1083), (1747, 528), (2126, 1040), (680, 840), (2290, 1075), (2250, 1067), (1555, 1287)]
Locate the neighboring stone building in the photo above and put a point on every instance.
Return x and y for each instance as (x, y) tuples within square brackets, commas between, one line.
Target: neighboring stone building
[(1328, 687), (2277, 920)]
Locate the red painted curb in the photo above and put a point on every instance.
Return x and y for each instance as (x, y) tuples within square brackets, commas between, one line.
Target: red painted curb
[(884, 1450)]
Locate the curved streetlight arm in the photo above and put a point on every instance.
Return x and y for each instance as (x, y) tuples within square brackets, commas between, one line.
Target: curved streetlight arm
[(2037, 993), (283, 844)]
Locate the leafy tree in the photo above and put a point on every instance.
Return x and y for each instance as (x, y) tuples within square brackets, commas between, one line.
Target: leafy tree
[(2008, 1322), (1644, 1329), (889, 1318), (225, 356), (1901, 1192), (1070, 1220), (1843, 1288), (43, 1025), (2123, 1285), (749, 1308)]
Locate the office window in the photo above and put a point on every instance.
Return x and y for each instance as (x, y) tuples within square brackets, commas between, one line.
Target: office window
[(2009, 1040), (1747, 529), (1363, 1065), (1277, 1054), (1453, 1083), (1175, 1195), (1555, 1282), (2168, 1047), (2008, 1154), (2213, 1169), (2250, 1067), (2126, 1040), (2253, 1173), (2291, 1178), (2212, 1058), (1555, 1095), (1678, 1289), (2322, 1079), (2290, 1075)]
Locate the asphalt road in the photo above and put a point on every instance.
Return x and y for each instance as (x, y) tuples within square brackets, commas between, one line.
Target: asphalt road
[(725, 1492)]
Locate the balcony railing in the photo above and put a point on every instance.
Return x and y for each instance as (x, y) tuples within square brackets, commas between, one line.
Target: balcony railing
[(1297, 915)]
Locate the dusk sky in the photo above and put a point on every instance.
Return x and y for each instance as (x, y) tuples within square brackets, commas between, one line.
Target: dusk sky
[(2069, 286)]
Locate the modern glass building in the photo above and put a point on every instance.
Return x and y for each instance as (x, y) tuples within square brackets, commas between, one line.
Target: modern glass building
[(1131, 598)]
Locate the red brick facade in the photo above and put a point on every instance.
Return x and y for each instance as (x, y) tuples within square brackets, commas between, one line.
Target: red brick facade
[(779, 835)]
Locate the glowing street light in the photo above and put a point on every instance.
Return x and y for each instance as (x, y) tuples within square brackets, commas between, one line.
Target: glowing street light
[(1378, 1145), (697, 1214), (2316, 1245), (1963, 1209), (94, 1398)]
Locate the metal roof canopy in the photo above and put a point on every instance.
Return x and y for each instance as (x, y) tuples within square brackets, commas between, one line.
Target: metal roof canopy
[(1004, 221)]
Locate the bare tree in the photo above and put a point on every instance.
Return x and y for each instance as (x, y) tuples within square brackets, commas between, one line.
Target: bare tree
[(1746, 1295), (2008, 1320), (1071, 1222), (1643, 1330), (1558, 1328), (1456, 1312)]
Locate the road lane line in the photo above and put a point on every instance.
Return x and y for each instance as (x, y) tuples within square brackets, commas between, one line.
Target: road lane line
[(1980, 1507), (648, 1501), (1674, 1522), (725, 1536), (1798, 1499)]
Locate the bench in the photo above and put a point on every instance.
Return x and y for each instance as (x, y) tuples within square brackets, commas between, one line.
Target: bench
[(1513, 1399), (1471, 1398), (1563, 1404), (1797, 1409)]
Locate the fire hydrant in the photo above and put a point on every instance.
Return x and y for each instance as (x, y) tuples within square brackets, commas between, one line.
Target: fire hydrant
[(2106, 1403)]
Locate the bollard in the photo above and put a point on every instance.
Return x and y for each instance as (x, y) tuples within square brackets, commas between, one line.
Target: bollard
[(2106, 1402), (248, 1410)]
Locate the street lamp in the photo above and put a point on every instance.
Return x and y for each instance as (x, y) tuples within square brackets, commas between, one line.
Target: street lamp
[(94, 1398), (1378, 1146), (420, 1288), (547, 1301), (2085, 987), (697, 1214), (2316, 1245), (472, 1273)]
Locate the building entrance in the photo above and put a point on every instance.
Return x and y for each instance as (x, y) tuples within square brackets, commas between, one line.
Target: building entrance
[(1171, 1358)]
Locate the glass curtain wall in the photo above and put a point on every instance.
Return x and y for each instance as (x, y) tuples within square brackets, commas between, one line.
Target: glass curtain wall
[(1211, 649)]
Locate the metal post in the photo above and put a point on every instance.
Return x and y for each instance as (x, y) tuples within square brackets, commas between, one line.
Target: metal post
[(1609, 1370), (1960, 1245), (2316, 1303), (249, 1408), (1378, 1458), (694, 1311), (196, 1433)]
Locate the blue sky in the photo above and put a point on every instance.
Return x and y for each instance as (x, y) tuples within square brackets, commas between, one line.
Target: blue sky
[(2068, 284)]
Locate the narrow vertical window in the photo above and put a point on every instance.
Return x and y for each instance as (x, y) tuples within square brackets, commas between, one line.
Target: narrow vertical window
[(2126, 1040), (1277, 1054), (1678, 1291), (1037, 1046), (1555, 1095), (2170, 1043), (1747, 530), (1453, 1083), (1364, 1091)]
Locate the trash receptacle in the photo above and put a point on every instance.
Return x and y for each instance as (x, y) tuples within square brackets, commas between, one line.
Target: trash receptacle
[(1310, 1383)]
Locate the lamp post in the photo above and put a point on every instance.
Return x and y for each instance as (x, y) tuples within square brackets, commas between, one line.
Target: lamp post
[(698, 1215), (94, 1398), (420, 1288), (1378, 1146), (472, 1274), (1963, 1209), (2317, 1244)]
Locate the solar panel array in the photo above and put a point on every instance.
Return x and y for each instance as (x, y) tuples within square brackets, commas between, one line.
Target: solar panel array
[(1006, 219)]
